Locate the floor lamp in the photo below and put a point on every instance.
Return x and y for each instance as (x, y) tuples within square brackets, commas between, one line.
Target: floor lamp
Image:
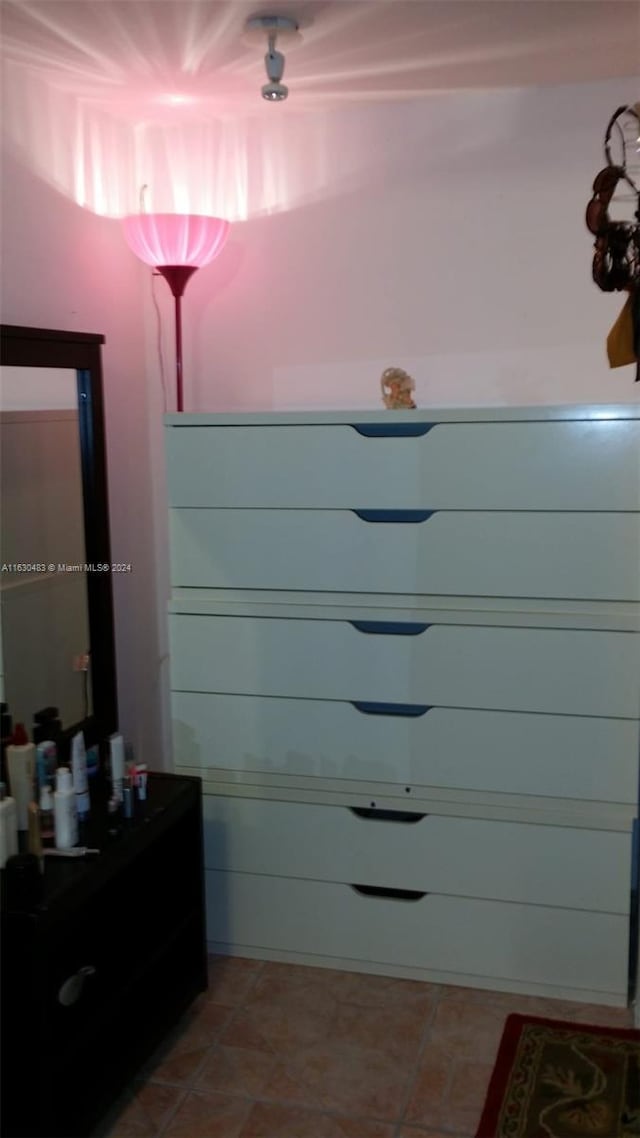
[(175, 245)]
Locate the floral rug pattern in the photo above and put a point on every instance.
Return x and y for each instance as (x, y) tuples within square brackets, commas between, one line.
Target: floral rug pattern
[(561, 1080)]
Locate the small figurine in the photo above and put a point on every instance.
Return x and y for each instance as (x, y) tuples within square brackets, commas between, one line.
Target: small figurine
[(397, 386)]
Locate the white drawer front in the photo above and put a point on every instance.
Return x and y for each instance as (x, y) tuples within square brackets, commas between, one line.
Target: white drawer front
[(465, 857), (559, 756), (531, 944), (528, 554), (580, 465), (513, 669)]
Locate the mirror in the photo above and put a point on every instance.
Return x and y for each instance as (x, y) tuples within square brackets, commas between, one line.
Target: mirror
[(56, 609)]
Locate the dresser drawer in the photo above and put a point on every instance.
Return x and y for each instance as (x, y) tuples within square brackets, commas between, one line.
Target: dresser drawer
[(464, 857), (470, 553), (514, 669), (453, 938), (554, 756), (568, 465)]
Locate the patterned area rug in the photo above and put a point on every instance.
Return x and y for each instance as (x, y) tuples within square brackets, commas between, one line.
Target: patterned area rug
[(563, 1080)]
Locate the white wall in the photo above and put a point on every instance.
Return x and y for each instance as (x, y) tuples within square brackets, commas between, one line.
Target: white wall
[(445, 235), (63, 267)]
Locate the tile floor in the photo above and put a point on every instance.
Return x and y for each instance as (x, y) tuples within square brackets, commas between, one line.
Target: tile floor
[(286, 1051)]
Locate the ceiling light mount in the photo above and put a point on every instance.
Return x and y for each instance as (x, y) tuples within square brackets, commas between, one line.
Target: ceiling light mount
[(274, 91)]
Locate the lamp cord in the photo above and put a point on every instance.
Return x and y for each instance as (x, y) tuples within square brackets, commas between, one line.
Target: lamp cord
[(159, 340)]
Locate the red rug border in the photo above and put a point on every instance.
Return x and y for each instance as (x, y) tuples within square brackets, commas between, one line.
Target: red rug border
[(507, 1051)]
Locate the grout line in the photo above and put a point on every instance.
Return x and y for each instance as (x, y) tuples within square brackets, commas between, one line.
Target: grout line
[(426, 1033)]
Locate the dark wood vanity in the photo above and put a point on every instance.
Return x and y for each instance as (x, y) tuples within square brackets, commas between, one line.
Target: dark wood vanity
[(96, 972)]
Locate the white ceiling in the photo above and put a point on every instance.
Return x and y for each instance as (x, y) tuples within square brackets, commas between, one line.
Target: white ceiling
[(141, 59)]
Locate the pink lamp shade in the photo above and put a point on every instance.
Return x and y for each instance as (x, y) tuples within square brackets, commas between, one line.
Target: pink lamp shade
[(176, 244), (175, 238)]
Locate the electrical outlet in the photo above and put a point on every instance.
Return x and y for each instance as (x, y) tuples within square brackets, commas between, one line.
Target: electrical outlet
[(80, 662)]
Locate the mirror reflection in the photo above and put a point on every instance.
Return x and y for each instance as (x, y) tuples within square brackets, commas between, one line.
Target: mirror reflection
[(44, 645)]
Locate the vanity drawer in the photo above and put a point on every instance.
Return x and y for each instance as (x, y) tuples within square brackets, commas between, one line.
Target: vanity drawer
[(586, 464), (556, 756), (571, 672), (527, 554), (464, 857), (456, 939)]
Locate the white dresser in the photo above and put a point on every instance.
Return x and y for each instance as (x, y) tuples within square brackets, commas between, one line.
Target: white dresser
[(405, 661)]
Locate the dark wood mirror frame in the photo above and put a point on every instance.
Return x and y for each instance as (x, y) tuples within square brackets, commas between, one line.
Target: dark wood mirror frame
[(81, 352)]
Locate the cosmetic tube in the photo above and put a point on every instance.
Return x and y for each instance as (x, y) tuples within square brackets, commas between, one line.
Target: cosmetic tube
[(79, 770), (46, 763), (8, 826), (141, 781), (127, 799), (116, 762), (21, 764), (65, 817)]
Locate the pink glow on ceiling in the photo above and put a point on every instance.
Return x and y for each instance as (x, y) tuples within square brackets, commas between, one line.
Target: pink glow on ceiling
[(175, 239), (102, 96)]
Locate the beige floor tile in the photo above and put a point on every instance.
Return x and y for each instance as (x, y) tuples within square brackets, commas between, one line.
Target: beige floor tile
[(144, 1114), (431, 1085), (236, 1070), (208, 1116), (467, 1093), (351, 1080), (468, 1029), (393, 1030), (420, 1132), (231, 978), (272, 1120), (543, 1006), (300, 985), (280, 1027)]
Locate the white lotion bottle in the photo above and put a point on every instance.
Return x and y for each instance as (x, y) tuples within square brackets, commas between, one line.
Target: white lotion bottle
[(8, 827), (21, 768), (65, 818), (80, 778), (116, 755)]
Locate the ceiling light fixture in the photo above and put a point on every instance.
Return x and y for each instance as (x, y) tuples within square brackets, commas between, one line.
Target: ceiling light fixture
[(275, 90)]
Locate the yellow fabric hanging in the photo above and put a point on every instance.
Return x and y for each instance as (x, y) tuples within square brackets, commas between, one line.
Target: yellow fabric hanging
[(620, 348)]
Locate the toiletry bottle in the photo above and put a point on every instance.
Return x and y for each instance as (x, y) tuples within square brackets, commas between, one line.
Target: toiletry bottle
[(46, 764), (8, 826), (116, 762), (127, 798), (6, 735), (64, 810), (21, 762), (47, 827), (79, 770)]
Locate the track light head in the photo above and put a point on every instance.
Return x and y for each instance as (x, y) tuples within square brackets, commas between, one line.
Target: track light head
[(274, 91)]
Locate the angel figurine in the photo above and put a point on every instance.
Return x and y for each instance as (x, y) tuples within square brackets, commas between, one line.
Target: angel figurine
[(397, 386)]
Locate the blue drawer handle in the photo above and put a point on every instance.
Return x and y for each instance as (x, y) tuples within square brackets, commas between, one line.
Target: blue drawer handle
[(392, 430), (408, 710), (390, 894), (394, 515), (386, 815), (389, 627)]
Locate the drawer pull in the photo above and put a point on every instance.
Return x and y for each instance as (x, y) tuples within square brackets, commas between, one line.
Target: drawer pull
[(392, 430), (389, 627), (408, 710), (411, 516), (389, 894), (71, 990), (406, 816)]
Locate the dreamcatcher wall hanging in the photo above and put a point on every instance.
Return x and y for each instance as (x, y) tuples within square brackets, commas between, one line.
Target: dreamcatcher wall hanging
[(613, 216)]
